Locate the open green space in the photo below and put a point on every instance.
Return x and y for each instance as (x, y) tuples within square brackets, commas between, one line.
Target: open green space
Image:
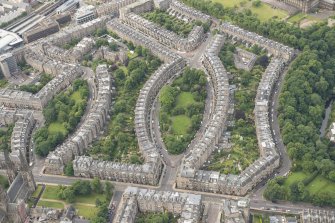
[(62, 115), (50, 192), (90, 198), (156, 218), (181, 108), (321, 184), (56, 127), (264, 11), (169, 22), (50, 204), (185, 99), (180, 124), (37, 191), (120, 143), (87, 212), (295, 177)]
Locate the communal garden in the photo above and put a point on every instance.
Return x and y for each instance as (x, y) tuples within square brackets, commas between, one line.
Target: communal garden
[(90, 198), (244, 150), (181, 108), (62, 114), (156, 217), (36, 87), (120, 143)]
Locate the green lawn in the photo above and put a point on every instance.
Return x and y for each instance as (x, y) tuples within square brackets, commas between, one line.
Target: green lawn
[(184, 99), (90, 199), (50, 204), (86, 211), (297, 17), (263, 12), (37, 191), (230, 3), (180, 124), (50, 192), (76, 96), (56, 127), (320, 184), (317, 185), (294, 177)]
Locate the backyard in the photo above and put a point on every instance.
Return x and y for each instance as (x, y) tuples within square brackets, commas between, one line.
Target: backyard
[(243, 148)]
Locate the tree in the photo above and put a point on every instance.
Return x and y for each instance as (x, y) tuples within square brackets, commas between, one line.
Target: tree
[(256, 3), (109, 190), (69, 195), (96, 185), (69, 169), (274, 191)]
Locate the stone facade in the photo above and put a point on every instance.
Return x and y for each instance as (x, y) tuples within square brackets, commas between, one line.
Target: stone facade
[(20, 138), (309, 5), (273, 47), (129, 34), (186, 13), (134, 200), (165, 37)]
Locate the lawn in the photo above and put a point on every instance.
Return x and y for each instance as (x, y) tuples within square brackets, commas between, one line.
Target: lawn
[(180, 124), (263, 12), (230, 3), (297, 18), (294, 177), (50, 204), (86, 211), (37, 191), (317, 185), (50, 192), (184, 99), (56, 127), (90, 199), (321, 184), (76, 97)]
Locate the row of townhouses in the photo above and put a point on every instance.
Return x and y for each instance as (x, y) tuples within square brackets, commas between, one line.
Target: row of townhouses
[(273, 47), (134, 200), (89, 130), (186, 13), (190, 177), (129, 34)]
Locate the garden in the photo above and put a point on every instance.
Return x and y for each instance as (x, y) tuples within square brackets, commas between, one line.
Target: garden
[(88, 197), (62, 115), (120, 143), (244, 150), (181, 109)]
